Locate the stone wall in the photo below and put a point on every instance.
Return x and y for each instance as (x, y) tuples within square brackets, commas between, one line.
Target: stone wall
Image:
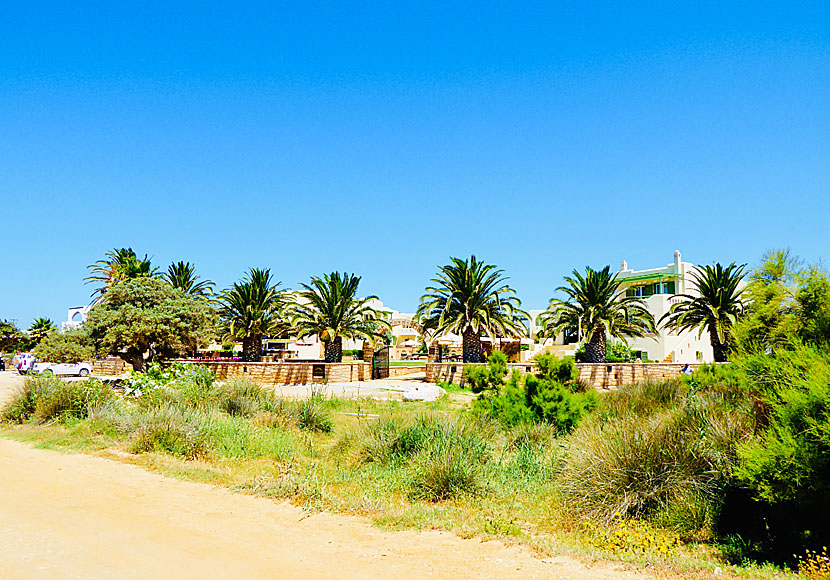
[(600, 375), (112, 365), (288, 373), (399, 371)]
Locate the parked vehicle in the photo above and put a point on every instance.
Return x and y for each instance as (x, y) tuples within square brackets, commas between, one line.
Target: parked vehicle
[(23, 362), (81, 369)]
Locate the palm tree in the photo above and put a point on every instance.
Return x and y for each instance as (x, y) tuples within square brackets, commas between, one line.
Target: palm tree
[(595, 307), (40, 328), (715, 310), (182, 275), (329, 308), (120, 264), (471, 298), (250, 310)]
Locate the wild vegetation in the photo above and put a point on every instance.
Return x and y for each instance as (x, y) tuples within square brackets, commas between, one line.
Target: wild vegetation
[(728, 467)]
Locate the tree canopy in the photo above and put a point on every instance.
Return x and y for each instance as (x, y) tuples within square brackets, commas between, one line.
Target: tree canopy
[(144, 319), (182, 275), (120, 264), (471, 298), (72, 346), (329, 307), (715, 309), (594, 307), (251, 309)]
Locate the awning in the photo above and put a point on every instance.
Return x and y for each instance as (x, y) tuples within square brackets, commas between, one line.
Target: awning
[(648, 277)]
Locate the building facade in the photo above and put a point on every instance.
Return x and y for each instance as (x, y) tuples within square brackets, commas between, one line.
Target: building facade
[(659, 289)]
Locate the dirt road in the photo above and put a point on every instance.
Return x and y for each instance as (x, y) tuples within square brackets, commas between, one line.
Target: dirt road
[(65, 516)]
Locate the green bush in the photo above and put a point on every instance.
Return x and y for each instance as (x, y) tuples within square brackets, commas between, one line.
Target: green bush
[(547, 397), (171, 429), (392, 439), (44, 398), (450, 463), (312, 415), (480, 378), (243, 398), (639, 466)]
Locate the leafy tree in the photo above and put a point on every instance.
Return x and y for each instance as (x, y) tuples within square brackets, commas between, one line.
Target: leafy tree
[(716, 308), (596, 307), (144, 319), (182, 275), (784, 299), (770, 317), (471, 298), (72, 346), (11, 338), (40, 328), (250, 310), (121, 264), (329, 308)]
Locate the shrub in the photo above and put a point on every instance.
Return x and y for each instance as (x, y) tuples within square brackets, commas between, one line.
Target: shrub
[(638, 466), (170, 429), (554, 403), (44, 398), (243, 398), (487, 377), (311, 415), (540, 398), (389, 439), (553, 368), (449, 464)]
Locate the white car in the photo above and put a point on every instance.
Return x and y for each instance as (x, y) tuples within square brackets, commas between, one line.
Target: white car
[(81, 369)]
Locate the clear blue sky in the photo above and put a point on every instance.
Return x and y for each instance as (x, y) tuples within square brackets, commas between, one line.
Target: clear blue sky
[(382, 138)]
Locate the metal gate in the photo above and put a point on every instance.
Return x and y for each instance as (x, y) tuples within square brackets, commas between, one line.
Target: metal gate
[(380, 364)]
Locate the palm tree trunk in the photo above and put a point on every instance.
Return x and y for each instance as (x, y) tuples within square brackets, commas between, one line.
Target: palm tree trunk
[(334, 350), (251, 348), (595, 348), (719, 349), (471, 346)]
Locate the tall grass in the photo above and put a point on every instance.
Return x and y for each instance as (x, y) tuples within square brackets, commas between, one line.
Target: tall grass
[(46, 398)]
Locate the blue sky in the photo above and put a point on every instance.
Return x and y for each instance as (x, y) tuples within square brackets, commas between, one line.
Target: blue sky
[(381, 139)]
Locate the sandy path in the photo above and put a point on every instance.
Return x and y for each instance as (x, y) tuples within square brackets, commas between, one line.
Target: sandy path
[(83, 517), (78, 516)]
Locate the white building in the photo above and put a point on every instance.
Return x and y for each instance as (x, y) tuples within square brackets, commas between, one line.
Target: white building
[(658, 287), (75, 318)]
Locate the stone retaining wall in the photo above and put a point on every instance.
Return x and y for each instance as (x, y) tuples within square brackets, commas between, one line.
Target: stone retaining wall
[(288, 373), (112, 365), (600, 375), (399, 371)]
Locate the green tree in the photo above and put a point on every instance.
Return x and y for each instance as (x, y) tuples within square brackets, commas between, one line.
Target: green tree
[(11, 338), (595, 307), (471, 298), (250, 310), (72, 346), (329, 307), (715, 309), (784, 299), (40, 328), (144, 319), (120, 264), (182, 275)]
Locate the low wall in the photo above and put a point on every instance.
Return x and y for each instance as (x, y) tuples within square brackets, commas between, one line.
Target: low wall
[(112, 365), (600, 375), (399, 371), (287, 373)]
